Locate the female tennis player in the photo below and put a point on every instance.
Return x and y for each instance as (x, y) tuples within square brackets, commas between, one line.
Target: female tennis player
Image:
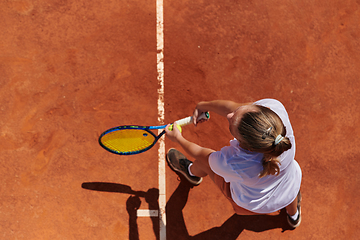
[(257, 172)]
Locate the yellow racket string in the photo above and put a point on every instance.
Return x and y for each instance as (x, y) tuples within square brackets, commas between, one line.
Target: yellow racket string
[(128, 140)]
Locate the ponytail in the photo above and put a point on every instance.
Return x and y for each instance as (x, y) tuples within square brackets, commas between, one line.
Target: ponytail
[(263, 131), (270, 166)]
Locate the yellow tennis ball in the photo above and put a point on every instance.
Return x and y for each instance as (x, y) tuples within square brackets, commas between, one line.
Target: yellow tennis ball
[(178, 126)]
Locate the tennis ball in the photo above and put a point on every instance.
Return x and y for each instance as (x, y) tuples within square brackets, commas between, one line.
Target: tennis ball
[(178, 126)]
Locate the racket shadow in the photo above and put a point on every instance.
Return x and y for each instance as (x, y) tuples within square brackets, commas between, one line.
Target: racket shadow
[(112, 187), (229, 230), (132, 204)]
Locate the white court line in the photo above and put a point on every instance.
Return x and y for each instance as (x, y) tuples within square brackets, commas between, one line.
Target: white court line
[(147, 213), (161, 116)]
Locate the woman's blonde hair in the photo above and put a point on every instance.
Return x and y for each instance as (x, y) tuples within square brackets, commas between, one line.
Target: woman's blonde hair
[(259, 130)]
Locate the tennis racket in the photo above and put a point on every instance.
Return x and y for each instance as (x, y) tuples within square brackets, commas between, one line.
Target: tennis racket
[(132, 139)]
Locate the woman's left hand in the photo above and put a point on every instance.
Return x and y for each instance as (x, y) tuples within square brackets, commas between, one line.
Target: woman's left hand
[(173, 134)]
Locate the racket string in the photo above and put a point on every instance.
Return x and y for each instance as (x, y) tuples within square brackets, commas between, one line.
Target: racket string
[(125, 141)]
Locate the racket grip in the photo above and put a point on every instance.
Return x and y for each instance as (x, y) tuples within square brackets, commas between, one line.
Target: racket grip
[(189, 120)]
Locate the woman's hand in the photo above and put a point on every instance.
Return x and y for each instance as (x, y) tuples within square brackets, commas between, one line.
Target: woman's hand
[(197, 112), (221, 107), (194, 150), (173, 134)]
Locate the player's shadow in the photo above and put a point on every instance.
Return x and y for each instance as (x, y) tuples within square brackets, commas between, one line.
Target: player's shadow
[(132, 204), (229, 230), (175, 227)]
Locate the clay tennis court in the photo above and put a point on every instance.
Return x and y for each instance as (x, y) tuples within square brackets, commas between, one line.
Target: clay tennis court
[(69, 70)]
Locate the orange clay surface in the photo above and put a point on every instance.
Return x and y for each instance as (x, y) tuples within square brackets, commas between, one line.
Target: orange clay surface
[(71, 69)]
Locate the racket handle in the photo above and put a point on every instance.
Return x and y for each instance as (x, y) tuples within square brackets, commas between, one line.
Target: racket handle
[(189, 120)]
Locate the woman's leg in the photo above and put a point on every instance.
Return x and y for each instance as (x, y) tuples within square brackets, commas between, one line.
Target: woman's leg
[(225, 189), (201, 168), (292, 207), (291, 211)]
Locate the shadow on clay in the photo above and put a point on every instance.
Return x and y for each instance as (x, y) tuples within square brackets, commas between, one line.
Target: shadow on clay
[(132, 204), (176, 228)]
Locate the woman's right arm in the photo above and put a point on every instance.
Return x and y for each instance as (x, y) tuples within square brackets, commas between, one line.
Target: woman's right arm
[(221, 107)]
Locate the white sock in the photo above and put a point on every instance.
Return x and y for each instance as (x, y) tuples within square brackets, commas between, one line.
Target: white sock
[(190, 170), (295, 216)]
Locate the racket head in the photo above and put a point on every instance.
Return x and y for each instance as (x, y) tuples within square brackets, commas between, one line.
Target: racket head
[(128, 140)]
